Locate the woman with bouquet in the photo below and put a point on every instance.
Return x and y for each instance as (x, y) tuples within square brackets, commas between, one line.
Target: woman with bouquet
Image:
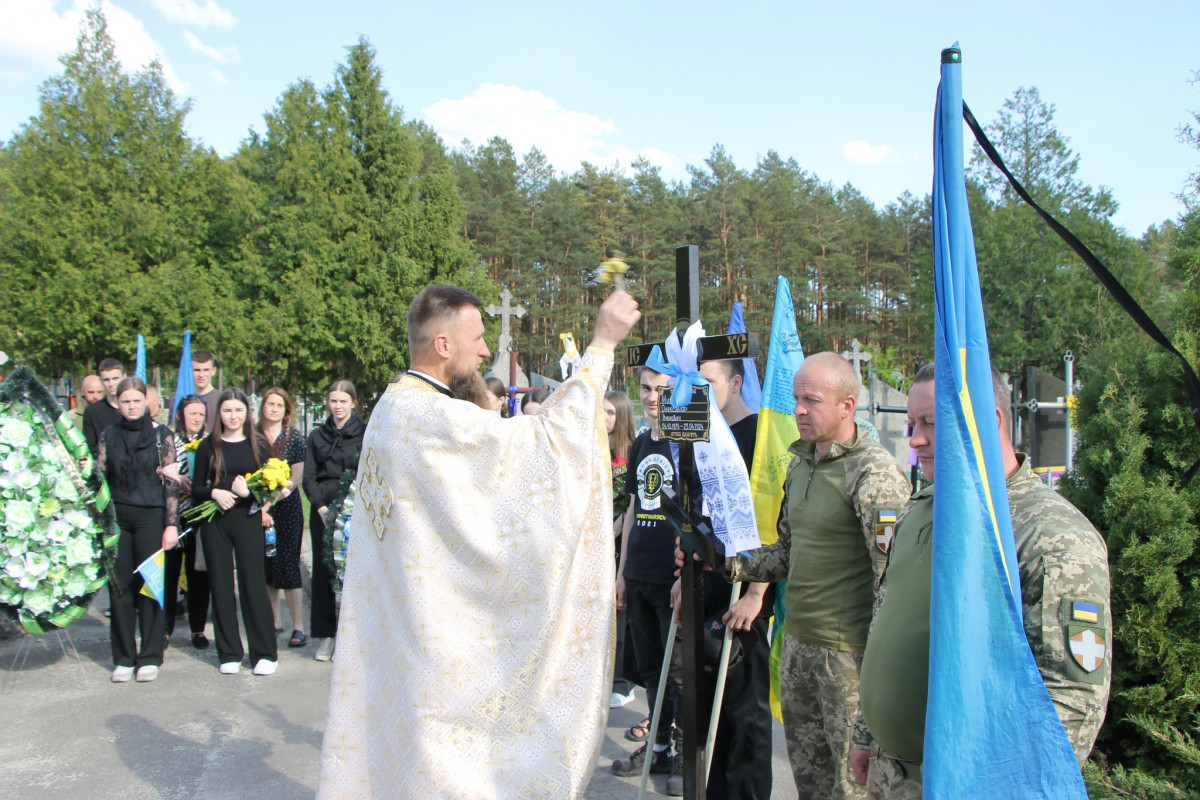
[(333, 448), (618, 418), (132, 455), (234, 450), (190, 418), (276, 416)]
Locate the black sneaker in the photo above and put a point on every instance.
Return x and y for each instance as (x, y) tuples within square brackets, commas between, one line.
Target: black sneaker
[(659, 763), (675, 782)]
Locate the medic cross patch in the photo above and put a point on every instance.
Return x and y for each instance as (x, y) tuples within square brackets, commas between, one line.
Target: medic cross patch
[(1087, 646), (885, 525)]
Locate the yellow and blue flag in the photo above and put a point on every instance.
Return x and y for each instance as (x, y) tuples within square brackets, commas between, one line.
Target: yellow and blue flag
[(154, 574), (775, 433), (991, 729)]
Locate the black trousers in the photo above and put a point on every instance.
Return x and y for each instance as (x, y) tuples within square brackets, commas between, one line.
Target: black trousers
[(648, 612), (324, 604), (141, 535), (741, 757), (229, 535), (178, 560)]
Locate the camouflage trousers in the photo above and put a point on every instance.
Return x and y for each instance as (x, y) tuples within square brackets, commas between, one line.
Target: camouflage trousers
[(892, 779), (819, 689)]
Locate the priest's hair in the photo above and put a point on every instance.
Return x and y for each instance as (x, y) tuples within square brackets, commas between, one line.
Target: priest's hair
[(432, 309)]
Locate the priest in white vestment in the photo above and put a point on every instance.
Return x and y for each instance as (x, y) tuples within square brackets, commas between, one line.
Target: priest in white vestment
[(474, 649)]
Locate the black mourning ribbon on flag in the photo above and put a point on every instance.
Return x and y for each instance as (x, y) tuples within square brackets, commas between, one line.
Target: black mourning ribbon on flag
[(1119, 293)]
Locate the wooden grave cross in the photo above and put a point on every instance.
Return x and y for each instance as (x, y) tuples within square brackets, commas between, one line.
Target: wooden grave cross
[(685, 511)]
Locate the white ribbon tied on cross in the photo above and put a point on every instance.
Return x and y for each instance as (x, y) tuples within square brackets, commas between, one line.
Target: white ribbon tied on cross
[(719, 465)]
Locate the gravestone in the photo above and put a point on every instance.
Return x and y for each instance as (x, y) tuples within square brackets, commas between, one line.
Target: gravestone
[(887, 409)]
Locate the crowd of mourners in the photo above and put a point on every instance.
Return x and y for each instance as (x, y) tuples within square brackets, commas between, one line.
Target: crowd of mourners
[(853, 545), (158, 467)]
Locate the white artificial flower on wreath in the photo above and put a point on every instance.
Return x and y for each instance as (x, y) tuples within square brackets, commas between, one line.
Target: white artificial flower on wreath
[(15, 432), (15, 461), (81, 520), (19, 515), (79, 551)]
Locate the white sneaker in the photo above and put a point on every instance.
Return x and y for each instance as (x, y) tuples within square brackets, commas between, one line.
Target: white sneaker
[(619, 700), (265, 667), (231, 667), (325, 651), (147, 673), (122, 674)]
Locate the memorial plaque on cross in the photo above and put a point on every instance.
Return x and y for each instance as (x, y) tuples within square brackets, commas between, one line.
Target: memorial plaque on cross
[(686, 516)]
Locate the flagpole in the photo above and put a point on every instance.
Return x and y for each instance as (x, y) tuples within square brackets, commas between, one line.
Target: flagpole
[(719, 695)]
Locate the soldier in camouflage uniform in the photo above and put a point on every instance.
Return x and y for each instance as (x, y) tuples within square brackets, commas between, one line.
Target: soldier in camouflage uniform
[(842, 493), (1063, 565)]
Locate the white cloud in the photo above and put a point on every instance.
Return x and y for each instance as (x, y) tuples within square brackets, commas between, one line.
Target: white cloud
[(222, 54), (36, 35), (861, 152), (527, 118), (208, 14), (219, 76)]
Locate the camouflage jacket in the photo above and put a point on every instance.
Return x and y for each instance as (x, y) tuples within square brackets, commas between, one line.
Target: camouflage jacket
[(836, 508), (1063, 564)]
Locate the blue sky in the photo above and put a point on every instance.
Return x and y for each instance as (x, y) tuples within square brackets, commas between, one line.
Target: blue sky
[(847, 89)]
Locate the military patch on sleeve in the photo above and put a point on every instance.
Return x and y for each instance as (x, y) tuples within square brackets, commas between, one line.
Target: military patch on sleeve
[(1087, 646), (885, 525), (1085, 612)]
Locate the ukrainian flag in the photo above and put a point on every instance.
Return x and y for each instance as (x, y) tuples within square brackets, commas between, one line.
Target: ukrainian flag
[(154, 574), (775, 434), (991, 729)]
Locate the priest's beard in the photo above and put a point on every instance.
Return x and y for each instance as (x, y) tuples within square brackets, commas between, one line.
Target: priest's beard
[(473, 388)]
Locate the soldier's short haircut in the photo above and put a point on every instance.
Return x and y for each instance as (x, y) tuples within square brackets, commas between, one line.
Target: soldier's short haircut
[(1000, 392), (434, 307), (733, 367), (203, 357), (109, 364), (841, 376)]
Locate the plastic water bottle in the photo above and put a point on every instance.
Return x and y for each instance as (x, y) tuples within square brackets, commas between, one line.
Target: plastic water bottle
[(270, 533)]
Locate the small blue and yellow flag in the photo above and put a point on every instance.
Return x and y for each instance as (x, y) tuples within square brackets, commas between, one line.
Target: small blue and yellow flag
[(154, 574)]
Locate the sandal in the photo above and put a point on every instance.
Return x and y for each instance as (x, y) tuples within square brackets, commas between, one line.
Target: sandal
[(638, 732), (298, 639)]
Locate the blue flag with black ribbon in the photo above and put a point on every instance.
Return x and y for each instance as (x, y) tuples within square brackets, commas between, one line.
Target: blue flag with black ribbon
[(991, 729), (751, 388), (185, 384)]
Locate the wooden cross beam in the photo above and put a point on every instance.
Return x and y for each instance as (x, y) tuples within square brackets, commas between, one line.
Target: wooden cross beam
[(687, 517)]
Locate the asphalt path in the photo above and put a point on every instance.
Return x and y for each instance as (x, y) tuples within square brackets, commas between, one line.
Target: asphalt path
[(68, 733)]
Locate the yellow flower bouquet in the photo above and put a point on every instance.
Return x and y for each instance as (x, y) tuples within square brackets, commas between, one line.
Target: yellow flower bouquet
[(266, 484)]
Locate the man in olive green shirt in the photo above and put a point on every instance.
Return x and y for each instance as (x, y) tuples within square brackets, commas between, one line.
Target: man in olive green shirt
[(842, 493), (1063, 566)]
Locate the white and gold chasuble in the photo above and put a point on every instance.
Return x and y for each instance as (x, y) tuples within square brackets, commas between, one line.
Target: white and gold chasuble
[(474, 650)]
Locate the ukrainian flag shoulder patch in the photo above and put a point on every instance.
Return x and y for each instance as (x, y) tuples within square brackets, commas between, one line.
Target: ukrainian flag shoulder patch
[(885, 526), (1085, 612)]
